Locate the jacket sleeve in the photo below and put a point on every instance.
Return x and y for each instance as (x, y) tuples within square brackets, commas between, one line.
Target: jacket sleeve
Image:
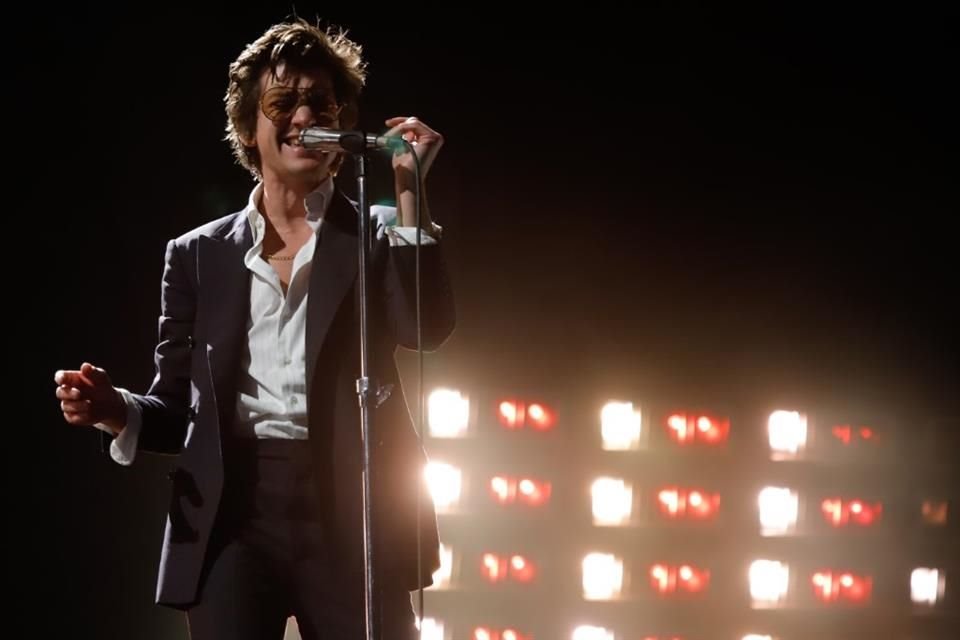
[(437, 310), (164, 408)]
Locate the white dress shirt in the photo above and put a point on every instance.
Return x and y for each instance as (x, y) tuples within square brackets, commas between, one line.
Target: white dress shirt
[(271, 399)]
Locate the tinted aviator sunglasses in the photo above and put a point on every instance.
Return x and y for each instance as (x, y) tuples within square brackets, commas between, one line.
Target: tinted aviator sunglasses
[(279, 103)]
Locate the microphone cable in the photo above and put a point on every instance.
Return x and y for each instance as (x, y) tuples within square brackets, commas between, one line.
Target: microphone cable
[(421, 480)]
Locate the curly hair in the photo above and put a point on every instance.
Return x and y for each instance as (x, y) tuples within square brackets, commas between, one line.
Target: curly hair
[(299, 47)]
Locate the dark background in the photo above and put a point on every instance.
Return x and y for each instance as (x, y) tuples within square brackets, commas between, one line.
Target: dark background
[(737, 206)]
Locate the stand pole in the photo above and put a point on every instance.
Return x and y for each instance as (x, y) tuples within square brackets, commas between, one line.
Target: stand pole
[(365, 390)]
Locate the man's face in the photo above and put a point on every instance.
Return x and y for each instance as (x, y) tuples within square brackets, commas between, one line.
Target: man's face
[(290, 103)]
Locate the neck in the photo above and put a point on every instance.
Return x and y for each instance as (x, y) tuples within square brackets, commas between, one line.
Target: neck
[(282, 202)]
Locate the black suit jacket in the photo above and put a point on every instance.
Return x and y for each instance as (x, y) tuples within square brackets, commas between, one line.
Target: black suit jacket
[(189, 407)]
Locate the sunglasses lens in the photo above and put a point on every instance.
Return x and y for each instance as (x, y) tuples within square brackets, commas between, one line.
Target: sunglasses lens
[(279, 103)]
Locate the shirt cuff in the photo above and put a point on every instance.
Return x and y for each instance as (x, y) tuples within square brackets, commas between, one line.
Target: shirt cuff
[(385, 218), (407, 236), (123, 448)]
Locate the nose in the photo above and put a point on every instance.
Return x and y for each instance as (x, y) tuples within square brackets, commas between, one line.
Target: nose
[(303, 116)]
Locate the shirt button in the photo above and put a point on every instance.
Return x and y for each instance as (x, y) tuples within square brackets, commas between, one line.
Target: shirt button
[(286, 361), (293, 400)]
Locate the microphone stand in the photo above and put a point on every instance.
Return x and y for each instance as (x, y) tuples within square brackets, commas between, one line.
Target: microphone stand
[(365, 390), (357, 144)]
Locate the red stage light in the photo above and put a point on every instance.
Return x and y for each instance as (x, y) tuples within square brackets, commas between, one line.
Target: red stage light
[(848, 435), (517, 414), (688, 428), (695, 504), (489, 633), (669, 579), (840, 513), (498, 568), (528, 491), (835, 586)]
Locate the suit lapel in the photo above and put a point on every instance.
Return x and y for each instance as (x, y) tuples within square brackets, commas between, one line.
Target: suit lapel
[(220, 267), (334, 270)]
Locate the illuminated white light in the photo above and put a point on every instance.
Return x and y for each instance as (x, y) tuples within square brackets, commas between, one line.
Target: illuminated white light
[(481, 634), (536, 412), (926, 586), (448, 413), (602, 576), (444, 482), (787, 431), (612, 501), (778, 510), (757, 636), (441, 577), (431, 629), (501, 487), (620, 426), (769, 581), (586, 632)]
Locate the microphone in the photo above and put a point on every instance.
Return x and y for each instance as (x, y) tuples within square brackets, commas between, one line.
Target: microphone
[(350, 141)]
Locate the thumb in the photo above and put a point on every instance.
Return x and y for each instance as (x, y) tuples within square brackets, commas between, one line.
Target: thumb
[(95, 375)]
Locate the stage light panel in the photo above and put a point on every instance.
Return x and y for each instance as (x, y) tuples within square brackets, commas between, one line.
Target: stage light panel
[(848, 435), (787, 433), (667, 579), (444, 481), (831, 585), (587, 632), (431, 629), (527, 491), (692, 504), (490, 633), (927, 586), (518, 414), (778, 507), (769, 582), (602, 576), (697, 428), (448, 413), (620, 426), (860, 513), (497, 568), (612, 501)]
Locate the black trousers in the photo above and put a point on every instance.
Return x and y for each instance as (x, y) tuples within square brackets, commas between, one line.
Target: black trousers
[(268, 561)]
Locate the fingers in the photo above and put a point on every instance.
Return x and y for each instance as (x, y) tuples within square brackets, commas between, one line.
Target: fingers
[(75, 406), (87, 376), (65, 392), (69, 378), (411, 125), (77, 389), (393, 122)]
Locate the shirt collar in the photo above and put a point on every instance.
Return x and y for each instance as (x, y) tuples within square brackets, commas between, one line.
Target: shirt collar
[(317, 202)]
